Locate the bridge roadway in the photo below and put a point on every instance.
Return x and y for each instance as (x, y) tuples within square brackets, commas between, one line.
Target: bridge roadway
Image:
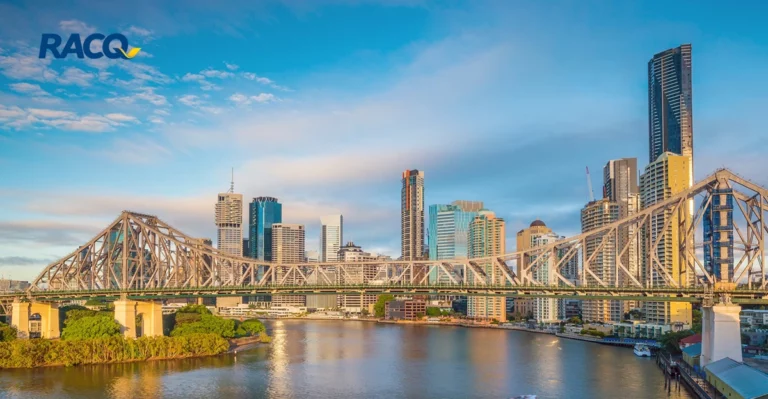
[(741, 295)]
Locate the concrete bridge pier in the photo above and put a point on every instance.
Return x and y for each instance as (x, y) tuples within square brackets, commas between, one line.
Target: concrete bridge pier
[(151, 313), (720, 333), (21, 312)]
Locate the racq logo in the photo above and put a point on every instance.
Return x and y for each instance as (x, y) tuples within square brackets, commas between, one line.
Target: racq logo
[(51, 42)]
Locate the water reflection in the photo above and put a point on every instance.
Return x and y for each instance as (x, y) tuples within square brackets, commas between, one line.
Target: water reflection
[(361, 360)]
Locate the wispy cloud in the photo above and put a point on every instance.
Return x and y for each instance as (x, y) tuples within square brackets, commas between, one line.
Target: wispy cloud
[(242, 99), (66, 120)]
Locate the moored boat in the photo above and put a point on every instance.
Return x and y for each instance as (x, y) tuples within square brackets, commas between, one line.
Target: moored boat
[(642, 350)]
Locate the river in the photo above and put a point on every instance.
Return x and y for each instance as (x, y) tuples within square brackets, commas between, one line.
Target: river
[(351, 359)]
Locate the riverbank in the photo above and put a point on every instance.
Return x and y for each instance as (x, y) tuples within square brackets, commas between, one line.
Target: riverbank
[(29, 353)]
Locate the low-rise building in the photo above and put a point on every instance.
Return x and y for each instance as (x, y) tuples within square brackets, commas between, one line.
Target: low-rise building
[(407, 309), (757, 316), (638, 329), (692, 354), (688, 341), (737, 380)]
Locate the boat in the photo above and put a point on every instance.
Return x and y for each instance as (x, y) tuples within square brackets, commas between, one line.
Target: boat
[(525, 397), (642, 350)]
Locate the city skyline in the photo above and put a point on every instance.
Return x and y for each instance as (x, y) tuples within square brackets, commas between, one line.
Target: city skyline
[(450, 133)]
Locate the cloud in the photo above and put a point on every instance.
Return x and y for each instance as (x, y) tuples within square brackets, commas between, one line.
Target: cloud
[(242, 99), (190, 100), (76, 76), (49, 113), (135, 30), (263, 80), (25, 63), (65, 120), (192, 77), (24, 261), (157, 120), (162, 112), (28, 88), (46, 233), (75, 26), (146, 94), (231, 67), (212, 73), (121, 118)]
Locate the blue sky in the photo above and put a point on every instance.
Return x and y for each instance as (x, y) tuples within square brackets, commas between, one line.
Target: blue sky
[(324, 103)]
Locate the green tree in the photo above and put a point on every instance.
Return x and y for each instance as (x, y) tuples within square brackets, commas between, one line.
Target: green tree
[(696, 323), (252, 327), (364, 312), (201, 309), (671, 340), (95, 302), (575, 320), (378, 307), (745, 339), (433, 312), (7, 333), (208, 324), (98, 326)]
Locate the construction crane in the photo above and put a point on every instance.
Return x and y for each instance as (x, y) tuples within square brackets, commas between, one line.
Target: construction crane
[(589, 186)]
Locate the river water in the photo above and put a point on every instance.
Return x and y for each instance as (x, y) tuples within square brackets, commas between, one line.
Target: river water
[(352, 359)]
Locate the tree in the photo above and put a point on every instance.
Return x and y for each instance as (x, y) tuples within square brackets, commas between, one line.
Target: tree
[(208, 324), (745, 339), (252, 327), (7, 333), (364, 312), (201, 309), (671, 340), (419, 316), (97, 326), (433, 312), (696, 323), (575, 320), (378, 307)]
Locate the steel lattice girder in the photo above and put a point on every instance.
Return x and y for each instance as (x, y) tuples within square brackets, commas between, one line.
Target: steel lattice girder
[(141, 252)]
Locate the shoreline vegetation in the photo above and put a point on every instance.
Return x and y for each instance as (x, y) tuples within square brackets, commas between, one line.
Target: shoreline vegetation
[(93, 337)]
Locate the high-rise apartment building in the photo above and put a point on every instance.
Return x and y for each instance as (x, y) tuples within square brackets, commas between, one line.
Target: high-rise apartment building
[(412, 215), (546, 310), (524, 240), (670, 104), (263, 212), (620, 186), (331, 236), (288, 242), (487, 237), (666, 176), (600, 257), (229, 225), (368, 273)]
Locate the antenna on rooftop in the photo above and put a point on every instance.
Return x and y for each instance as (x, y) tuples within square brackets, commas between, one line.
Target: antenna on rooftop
[(232, 183)]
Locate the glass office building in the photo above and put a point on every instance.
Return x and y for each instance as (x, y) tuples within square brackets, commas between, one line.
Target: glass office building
[(262, 213)]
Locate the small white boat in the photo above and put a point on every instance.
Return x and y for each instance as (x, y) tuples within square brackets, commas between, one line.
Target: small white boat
[(642, 350), (525, 397)]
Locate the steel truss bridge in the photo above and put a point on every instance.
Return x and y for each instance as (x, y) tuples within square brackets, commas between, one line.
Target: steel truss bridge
[(140, 256)]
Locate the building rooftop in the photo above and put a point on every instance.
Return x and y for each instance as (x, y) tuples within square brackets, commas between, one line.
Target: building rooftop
[(746, 381), (693, 339), (538, 223), (693, 350)]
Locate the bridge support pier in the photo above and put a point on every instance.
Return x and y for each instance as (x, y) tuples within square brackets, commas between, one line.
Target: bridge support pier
[(720, 333), (21, 313), (151, 313)]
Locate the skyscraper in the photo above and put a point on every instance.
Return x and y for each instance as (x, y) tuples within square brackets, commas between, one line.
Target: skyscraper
[(229, 224), (670, 104), (288, 242), (525, 240), (620, 186), (718, 235), (263, 212), (663, 178), (412, 215), (601, 259), (487, 237), (449, 228), (546, 310), (331, 237)]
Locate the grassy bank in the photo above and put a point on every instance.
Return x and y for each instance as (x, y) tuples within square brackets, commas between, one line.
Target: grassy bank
[(42, 352)]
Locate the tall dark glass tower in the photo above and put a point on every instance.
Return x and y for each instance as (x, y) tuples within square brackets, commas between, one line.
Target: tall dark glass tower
[(670, 103), (262, 213)]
